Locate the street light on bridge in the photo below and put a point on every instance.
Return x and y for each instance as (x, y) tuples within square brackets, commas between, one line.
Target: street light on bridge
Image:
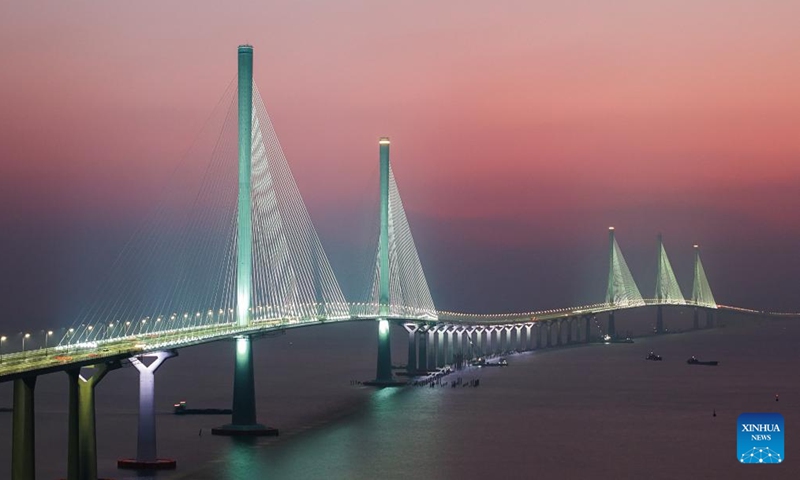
[(27, 335), (48, 335), (2, 340)]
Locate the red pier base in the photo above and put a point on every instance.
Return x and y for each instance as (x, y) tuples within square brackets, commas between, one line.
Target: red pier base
[(160, 464)]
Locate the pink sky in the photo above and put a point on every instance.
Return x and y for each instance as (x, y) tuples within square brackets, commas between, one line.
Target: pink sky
[(546, 121)]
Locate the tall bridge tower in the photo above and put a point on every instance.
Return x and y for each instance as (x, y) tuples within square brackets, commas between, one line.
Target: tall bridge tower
[(243, 420)]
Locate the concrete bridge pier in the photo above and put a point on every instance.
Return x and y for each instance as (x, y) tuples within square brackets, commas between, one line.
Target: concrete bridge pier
[(612, 329), (440, 338), (411, 365), (659, 320), (447, 346), (588, 327), (146, 458), (538, 335), (23, 442), (519, 345), (474, 345), (569, 330), (422, 353), (243, 419), (432, 348), (709, 318), (500, 344), (82, 446), (526, 337), (479, 341), (696, 319), (558, 332), (455, 344), (549, 335), (470, 346)]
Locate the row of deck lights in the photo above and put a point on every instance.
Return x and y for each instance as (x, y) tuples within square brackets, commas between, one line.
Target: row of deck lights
[(26, 336)]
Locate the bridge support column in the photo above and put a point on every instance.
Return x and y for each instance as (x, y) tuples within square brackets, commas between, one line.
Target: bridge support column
[(588, 333), (696, 320), (383, 373), (659, 320), (23, 441), (518, 344), (146, 458), (548, 341), (447, 346), (422, 336), (709, 318), (440, 334), (612, 328), (558, 332), (569, 330), (243, 419), (538, 335), (454, 345), (472, 342), (432, 348), (82, 447), (527, 338), (411, 365)]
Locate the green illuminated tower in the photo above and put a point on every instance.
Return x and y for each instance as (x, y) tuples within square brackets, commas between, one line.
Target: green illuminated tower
[(243, 421), (659, 288), (383, 375), (611, 293)]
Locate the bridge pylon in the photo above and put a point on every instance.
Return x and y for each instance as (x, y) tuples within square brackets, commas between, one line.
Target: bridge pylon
[(667, 289), (622, 290), (701, 292), (383, 374), (243, 420)]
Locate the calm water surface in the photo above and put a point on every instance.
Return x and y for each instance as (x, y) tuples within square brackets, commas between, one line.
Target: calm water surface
[(597, 411)]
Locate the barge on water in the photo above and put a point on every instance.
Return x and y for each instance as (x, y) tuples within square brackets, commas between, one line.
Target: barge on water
[(182, 409)]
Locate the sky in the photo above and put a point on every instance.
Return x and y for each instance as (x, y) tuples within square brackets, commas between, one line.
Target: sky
[(520, 131)]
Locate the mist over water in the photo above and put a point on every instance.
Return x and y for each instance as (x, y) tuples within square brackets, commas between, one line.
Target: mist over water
[(576, 412)]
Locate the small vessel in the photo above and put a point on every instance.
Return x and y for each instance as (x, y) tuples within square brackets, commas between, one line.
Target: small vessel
[(182, 409), (610, 339), (653, 356), (695, 361), (479, 362)]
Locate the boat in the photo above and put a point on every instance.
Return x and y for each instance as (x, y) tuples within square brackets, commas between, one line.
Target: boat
[(610, 339), (479, 362), (182, 409), (654, 357), (695, 361)]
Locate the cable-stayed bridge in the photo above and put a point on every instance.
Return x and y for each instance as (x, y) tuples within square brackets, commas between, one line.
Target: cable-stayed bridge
[(238, 257)]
